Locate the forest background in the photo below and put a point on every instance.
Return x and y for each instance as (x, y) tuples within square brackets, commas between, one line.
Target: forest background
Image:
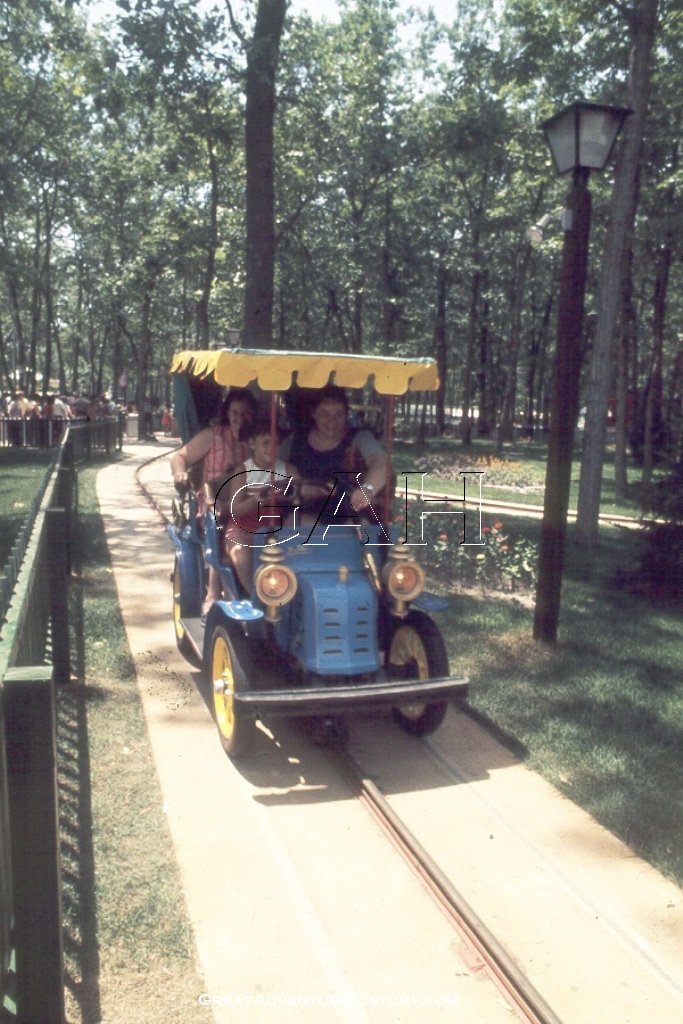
[(409, 167)]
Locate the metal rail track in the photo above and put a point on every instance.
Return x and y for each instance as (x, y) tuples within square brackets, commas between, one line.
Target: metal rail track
[(484, 949), (517, 508), (147, 494)]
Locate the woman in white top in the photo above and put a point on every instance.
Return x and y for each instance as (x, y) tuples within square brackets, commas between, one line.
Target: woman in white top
[(250, 487)]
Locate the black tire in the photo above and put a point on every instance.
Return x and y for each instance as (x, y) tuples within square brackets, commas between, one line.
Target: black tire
[(228, 674), (415, 650), (184, 646)]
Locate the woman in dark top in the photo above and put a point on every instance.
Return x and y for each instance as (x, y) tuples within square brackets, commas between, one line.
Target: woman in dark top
[(330, 447)]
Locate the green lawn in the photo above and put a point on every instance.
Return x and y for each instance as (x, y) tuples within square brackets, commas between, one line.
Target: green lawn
[(22, 471), (516, 475)]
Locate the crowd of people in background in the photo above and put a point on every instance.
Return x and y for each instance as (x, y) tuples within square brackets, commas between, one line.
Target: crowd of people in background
[(17, 405), (36, 419)]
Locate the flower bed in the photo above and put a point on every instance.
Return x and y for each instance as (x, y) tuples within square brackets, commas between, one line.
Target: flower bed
[(458, 555)]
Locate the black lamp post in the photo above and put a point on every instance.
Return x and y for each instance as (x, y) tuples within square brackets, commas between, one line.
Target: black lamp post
[(580, 138)]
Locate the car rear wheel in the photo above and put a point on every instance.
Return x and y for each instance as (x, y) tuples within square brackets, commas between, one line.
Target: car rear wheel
[(415, 650), (228, 675)]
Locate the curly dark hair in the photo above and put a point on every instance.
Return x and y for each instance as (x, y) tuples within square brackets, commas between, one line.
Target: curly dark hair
[(330, 393), (261, 425), (237, 395)]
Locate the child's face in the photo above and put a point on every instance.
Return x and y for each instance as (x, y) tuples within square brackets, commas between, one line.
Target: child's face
[(260, 450)]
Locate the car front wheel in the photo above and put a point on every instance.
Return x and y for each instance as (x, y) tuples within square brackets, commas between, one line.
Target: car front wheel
[(228, 675), (415, 650)]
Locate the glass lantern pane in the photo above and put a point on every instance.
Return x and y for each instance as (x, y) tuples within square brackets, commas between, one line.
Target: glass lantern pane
[(561, 139), (598, 130)]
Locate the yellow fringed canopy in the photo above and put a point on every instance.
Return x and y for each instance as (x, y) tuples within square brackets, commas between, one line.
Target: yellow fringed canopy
[(275, 370)]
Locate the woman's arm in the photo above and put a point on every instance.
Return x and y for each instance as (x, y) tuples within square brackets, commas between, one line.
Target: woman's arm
[(376, 473), (194, 451)]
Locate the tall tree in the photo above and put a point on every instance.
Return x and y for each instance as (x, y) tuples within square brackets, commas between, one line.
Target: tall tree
[(641, 19), (262, 50)]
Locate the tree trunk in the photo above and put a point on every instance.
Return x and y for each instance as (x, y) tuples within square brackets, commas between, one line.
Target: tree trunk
[(621, 418), (36, 301), (202, 309), (117, 357), (4, 364), (357, 319), (46, 286), (675, 414), (262, 57), (535, 373), (624, 411), (358, 286), (507, 412), (466, 425), (78, 333), (390, 308), (642, 23), (144, 350), (440, 347), (484, 375), (653, 406)]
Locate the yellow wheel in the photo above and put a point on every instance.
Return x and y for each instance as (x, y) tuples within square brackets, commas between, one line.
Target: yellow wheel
[(415, 650), (228, 676)]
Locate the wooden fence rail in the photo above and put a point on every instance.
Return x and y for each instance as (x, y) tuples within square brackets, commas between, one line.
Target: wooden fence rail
[(34, 658)]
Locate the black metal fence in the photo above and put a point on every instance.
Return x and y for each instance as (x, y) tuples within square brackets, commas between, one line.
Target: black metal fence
[(34, 657), (34, 432)]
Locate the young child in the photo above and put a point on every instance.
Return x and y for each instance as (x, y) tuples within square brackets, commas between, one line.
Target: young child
[(245, 507)]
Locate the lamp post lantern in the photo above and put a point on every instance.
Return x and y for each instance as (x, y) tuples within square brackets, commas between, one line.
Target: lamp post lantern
[(581, 138)]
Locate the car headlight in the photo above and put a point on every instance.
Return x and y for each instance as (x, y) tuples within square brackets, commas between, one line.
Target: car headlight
[(403, 579), (275, 584)]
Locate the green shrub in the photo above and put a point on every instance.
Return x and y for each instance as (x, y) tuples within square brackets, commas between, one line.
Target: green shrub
[(658, 575)]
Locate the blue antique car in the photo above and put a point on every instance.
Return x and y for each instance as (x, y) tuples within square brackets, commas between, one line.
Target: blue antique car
[(336, 620)]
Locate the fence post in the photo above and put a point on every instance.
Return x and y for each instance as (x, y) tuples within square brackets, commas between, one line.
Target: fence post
[(57, 523), (6, 890), (66, 499), (29, 706)]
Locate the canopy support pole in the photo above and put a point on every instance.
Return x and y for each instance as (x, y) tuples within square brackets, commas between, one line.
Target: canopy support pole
[(389, 445), (273, 434)]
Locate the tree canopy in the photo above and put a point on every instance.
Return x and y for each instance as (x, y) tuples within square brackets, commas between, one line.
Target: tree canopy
[(407, 168)]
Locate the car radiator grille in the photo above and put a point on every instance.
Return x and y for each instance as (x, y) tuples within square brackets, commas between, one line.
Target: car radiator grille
[(334, 631)]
